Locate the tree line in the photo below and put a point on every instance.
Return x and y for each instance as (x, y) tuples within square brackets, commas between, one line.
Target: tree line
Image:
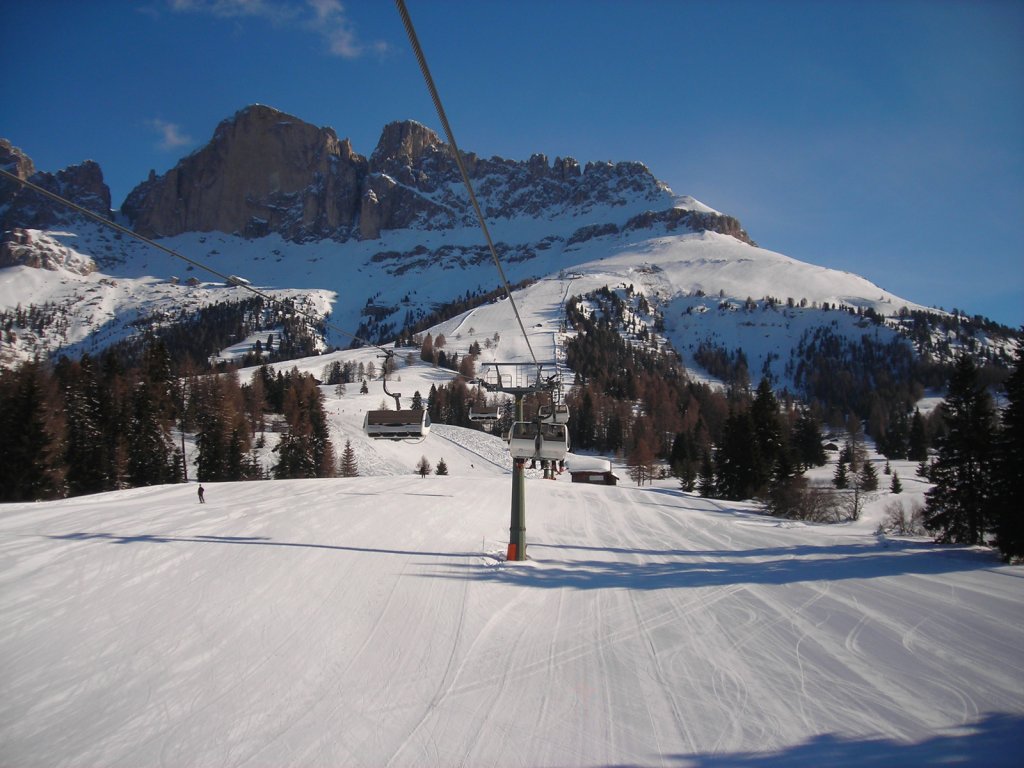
[(977, 474), (90, 425), (197, 333), (734, 444)]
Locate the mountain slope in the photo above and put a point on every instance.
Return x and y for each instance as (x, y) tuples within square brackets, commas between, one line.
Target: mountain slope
[(372, 621), (380, 242)]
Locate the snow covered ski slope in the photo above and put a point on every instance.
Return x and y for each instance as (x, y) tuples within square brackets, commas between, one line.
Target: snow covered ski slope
[(372, 621)]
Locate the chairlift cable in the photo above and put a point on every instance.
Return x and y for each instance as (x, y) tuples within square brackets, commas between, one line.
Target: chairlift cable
[(414, 40), (230, 279), (200, 265)]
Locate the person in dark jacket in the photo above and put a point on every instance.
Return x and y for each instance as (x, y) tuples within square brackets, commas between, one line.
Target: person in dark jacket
[(202, 499)]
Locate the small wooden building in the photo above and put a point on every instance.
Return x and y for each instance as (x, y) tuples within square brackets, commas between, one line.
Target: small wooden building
[(591, 469), (590, 476)]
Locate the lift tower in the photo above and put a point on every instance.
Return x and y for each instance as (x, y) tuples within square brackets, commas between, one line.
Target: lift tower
[(512, 379)]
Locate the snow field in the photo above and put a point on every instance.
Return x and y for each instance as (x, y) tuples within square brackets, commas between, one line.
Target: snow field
[(372, 621)]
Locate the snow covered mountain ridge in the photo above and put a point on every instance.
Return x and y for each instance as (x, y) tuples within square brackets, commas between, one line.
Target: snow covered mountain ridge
[(264, 172), (377, 241)]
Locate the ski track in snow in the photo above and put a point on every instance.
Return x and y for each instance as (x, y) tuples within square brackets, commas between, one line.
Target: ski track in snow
[(363, 622)]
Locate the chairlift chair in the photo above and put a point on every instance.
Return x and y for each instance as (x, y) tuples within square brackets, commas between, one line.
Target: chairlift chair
[(412, 424), (484, 413), (556, 413), (524, 440), (534, 440), (399, 424), (554, 442)]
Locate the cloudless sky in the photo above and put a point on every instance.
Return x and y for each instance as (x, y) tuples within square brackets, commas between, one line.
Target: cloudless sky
[(882, 138)]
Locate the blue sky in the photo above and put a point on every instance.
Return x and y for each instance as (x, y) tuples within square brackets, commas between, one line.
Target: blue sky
[(882, 138)]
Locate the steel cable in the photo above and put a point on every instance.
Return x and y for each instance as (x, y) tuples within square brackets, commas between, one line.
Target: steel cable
[(418, 50)]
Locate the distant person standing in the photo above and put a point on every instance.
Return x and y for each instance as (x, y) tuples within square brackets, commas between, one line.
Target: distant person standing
[(202, 499)]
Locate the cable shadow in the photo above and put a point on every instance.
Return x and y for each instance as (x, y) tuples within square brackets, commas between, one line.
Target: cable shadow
[(259, 541)]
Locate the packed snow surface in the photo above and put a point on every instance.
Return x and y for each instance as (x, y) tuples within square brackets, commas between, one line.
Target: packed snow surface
[(374, 621)]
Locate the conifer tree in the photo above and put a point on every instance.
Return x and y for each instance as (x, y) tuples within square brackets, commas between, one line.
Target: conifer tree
[(256, 402), (957, 505), (896, 486), (706, 478), (434, 399), (150, 449), (641, 461), (306, 450), (868, 477), (88, 469), (442, 468), (806, 442), (212, 432), (349, 467), (683, 460), (223, 435), (840, 478), (34, 435), (738, 463), (917, 442), (764, 415), (1008, 469)]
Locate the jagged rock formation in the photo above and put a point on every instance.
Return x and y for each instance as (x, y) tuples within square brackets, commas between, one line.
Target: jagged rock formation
[(268, 172), (265, 171), (22, 208)]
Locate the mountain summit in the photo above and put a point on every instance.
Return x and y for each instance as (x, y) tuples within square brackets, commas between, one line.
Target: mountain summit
[(263, 171), (266, 172)]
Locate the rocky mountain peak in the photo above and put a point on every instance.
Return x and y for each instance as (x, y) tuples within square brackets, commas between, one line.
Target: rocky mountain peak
[(21, 208), (263, 171), (267, 171), (404, 142), (13, 160)]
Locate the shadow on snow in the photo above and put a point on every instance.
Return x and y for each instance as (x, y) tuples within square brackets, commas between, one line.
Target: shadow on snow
[(992, 742), (675, 568), (647, 569)]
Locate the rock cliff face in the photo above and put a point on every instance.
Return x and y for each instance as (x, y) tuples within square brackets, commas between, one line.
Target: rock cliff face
[(22, 208), (268, 172), (265, 171)]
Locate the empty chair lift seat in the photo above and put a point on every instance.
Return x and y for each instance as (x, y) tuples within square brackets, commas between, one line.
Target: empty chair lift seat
[(555, 414), (554, 441), (486, 413), (529, 440), (396, 425)]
